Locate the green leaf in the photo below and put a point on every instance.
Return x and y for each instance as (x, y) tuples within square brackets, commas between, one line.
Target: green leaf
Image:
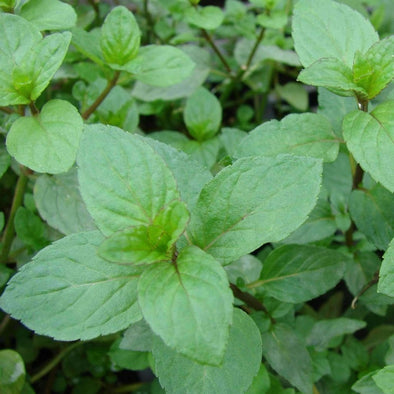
[(49, 14), (138, 337), (123, 181), (334, 75), (300, 134), (204, 152), (295, 94), (325, 330), (7, 5), (12, 372), (374, 70), (261, 382), (128, 359), (299, 273), (70, 293), (120, 37), (241, 362), (208, 17), (231, 138), (275, 20), (5, 161), (60, 204), (373, 213), (188, 304), (386, 274), (366, 385), (88, 43), (283, 347), (2, 221), (17, 37), (325, 28), (370, 138), (202, 114), (248, 268), (49, 141), (160, 65), (281, 193), (148, 244)]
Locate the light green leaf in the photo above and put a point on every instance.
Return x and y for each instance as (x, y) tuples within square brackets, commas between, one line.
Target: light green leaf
[(231, 138), (123, 181), (370, 138), (324, 330), (374, 70), (30, 229), (7, 5), (295, 94), (366, 385), (179, 374), (49, 141), (300, 134), (334, 75), (88, 43), (386, 274), (188, 304), (283, 347), (138, 337), (299, 273), (160, 65), (373, 213), (17, 37), (202, 114), (60, 204), (248, 268), (49, 14), (325, 28), (148, 244), (208, 17), (275, 20), (120, 37), (281, 193), (5, 161), (204, 152), (12, 372), (70, 293), (128, 359)]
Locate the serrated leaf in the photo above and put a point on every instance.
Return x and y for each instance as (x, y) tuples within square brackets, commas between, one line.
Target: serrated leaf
[(300, 134), (299, 273), (70, 293), (373, 213), (325, 28), (120, 37), (148, 244), (160, 65), (60, 204), (334, 75), (374, 70), (179, 374), (283, 347), (12, 372), (49, 141), (208, 17), (324, 330), (49, 14), (370, 138), (386, 274), (188, 304), (281, 193), (123, 181)]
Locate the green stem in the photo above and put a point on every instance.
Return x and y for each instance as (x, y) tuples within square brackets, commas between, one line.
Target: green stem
[(110, 85), (254, 50), (9, 230), (367, 286), (56, 360)]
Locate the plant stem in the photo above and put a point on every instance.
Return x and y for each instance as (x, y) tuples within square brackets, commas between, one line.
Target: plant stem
[(110, 85), (6, 110), (367, 286), (254, 49), (127, 388), (56, 360), (9, 231), (250, 300)]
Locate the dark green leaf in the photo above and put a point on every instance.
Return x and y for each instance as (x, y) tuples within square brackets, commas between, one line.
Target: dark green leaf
[(5, 161), (12, 372), (30, 229)]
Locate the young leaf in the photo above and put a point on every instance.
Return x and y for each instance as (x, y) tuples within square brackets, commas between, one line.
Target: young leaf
[(188, 303), (160, 65), (281, 192), (208, 17), (49, 14), (70, 293), (325, 29), (49, 141), (374, 70), (373, 213), (370, 138), (386, 274), (120, 37), (298, 273), (275, 20), (301, 134), (384, 379), (203, 114), (241, 362), (123, 181), (282, 347), (60, 204), (88, 43), (12, 372)]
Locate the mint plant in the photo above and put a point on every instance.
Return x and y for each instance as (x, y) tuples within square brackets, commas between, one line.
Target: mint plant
[(172, 200)]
